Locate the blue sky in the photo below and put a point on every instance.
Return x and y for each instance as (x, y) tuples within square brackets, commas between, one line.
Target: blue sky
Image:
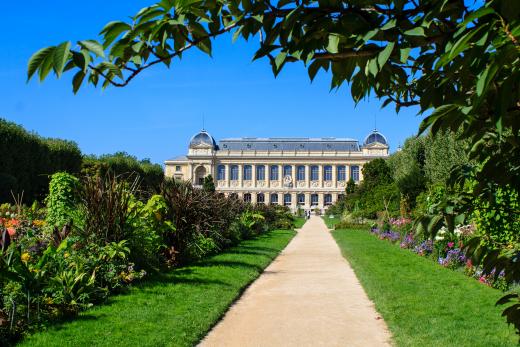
[(155, 116)]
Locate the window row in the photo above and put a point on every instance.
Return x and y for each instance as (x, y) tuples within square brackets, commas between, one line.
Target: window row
[(287, 171), (287, 199)]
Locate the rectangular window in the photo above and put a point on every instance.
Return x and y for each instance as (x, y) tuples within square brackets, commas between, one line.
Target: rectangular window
[(342, 173), (221, 174), (354, 173), (260, 198), (274, 173), (234, 173), (260, 173), (301, 173), (287, 199), (274, 199), (178, 168), (248, 173), (301, 199), (287, 170), (328, 199), (328, 173), (315, 173), (314, 200)]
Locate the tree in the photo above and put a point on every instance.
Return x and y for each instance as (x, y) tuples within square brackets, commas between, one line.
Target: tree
[(375, 173), (351, 187), (458, 62), (208, 185)]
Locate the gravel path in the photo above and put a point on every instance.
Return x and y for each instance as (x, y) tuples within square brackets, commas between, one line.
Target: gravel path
[(308, 296)]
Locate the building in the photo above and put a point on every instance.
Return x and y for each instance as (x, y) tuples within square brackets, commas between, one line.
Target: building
[(297, 172)]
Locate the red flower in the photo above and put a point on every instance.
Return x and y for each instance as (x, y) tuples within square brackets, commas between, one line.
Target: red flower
[(451, 244), (11, 231)]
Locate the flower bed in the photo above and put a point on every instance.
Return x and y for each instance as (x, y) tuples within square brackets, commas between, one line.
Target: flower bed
[(447, 250)]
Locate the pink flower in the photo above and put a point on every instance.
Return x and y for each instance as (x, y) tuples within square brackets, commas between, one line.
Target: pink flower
[(11, 231), (451, 244)]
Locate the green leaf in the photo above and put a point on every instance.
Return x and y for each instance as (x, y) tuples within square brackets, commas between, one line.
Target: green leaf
[(332, 46), (37, 59), (405, 53), (93, 46), (77, 81), (383, 56), (61, 54), (418, 31), (46, 66), (280, 59), (112, 30), (485, 78)]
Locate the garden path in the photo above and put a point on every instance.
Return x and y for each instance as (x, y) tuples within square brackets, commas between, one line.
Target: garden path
[(308, 296)]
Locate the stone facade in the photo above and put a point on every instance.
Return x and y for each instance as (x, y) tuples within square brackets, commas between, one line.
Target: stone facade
[(297, 172)]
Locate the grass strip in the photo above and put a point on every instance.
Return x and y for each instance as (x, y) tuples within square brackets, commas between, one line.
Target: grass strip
[(423, 303), (177, 308)]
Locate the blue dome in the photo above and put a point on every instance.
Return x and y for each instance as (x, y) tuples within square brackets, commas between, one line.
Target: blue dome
[(375, 136), (202, 139)]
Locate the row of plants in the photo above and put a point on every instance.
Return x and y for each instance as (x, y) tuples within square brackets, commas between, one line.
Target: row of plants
[(28, 160), (447, 249), (96, 235)]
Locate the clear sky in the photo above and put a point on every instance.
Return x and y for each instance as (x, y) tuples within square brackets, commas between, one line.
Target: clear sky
[(155, 116)]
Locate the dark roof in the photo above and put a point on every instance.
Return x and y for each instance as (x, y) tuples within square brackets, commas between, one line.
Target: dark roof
[(202, 138), (178, 158), (289, 144), (375, 136)]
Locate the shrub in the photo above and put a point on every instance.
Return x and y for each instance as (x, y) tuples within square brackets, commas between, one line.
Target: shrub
[(28, 160), (62, 198)]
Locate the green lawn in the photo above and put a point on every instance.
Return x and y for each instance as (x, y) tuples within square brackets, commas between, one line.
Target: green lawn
[(174, 309), (331, 221), (423, 303), (299, 222)]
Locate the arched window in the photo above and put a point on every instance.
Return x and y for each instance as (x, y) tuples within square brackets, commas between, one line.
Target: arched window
[(248, 173), (260, 198), (354, 173), (234, 172), (328, 199), (327, 173), (221, 173), (300, 173), (274, 199), (314, 200), (301, 199), (247, 198), (274, 174), (315, 173), (342, 173), (260, 172), (287, 199), (287, 170)]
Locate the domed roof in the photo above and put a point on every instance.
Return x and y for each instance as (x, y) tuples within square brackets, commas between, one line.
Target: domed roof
[(375, 136), (202, 138)]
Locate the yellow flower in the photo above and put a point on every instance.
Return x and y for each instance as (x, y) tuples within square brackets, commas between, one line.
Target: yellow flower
[(66, 255), (26, 257)]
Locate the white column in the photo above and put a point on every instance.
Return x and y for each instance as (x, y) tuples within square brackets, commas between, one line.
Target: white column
[(293, 175), (334, 175), (280, 175), (267, 175), (321, 200), (240, 175), (320, 175), (307, 176), (228, 174), (347, 172), (307, 200), (360, 173), (253, 175), (254, 198)]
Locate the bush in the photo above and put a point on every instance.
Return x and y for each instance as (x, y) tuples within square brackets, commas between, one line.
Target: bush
[(61, 201), (127, 166), (28, 160)]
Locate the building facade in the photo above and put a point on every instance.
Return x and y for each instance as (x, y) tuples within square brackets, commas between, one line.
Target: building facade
[(296, 172)]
